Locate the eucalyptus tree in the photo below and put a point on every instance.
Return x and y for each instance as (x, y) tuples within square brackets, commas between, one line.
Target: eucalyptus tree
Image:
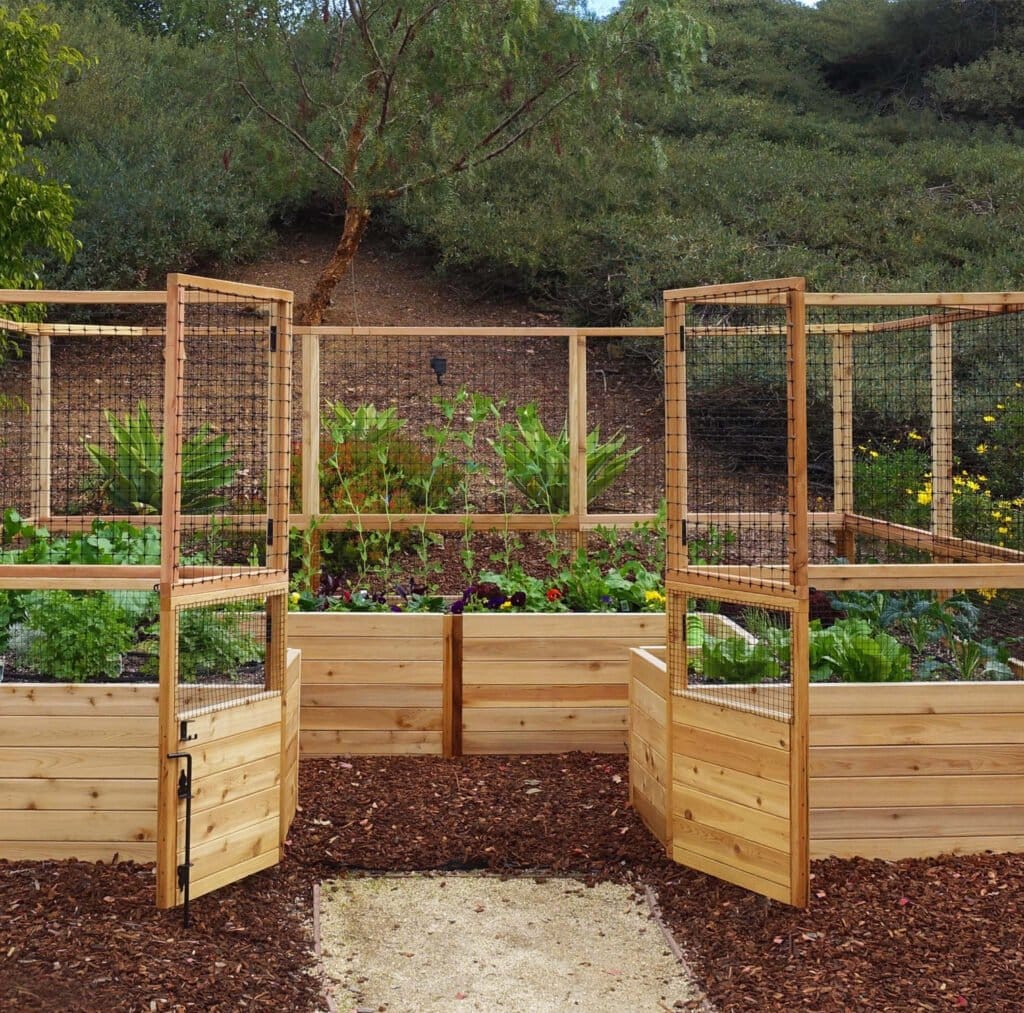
[(391, 96)]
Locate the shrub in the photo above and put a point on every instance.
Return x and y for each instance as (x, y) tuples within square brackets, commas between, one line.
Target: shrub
[(80, 636), (537, 462), (132, 476), (212, 642)]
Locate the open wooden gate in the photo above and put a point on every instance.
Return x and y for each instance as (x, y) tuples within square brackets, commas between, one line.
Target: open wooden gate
[(225, 755), (736, 475)]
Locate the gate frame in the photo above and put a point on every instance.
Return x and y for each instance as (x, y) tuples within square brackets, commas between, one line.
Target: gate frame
[(177, 589), (787, 591)]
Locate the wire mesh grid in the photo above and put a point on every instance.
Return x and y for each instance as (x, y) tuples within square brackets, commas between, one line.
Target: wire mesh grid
[(625, 392), (443, 423), (228, 399), (927, 430), (226, 651), (732, 483), (81, 420), (726, 652)]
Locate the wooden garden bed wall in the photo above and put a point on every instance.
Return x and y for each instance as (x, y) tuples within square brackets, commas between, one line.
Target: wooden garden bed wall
[(479, 683), (370, 685), (290, 740), (904, 771), (78, 772), (895, 771), (650, 746)]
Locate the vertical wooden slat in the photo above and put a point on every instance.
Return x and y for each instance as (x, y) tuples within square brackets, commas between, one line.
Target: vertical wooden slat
[(842, 439), (42, 427), (577, 432), (796, 383), (675, 434), (311, 449), (279, 436), (451, 687), (799, 818), (167, 735), (942, 432)]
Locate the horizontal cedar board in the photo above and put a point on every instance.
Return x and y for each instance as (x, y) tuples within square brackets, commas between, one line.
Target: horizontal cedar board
[(918, 821), (236, 750), (563, 741), (650, 757), (733, 850), (727, 751), (83, 851), (226, 786), (914, 729), (496, 719), (367, 718), (726, 721), (550, 649), (647, 701), (210, 856), (77, 793), (86, 731), (584, 694), (919, 698), (939, 790), (332, 672), (732, 785), (77, 825), (731, 874), (893, 849), (654, 677), (581, 671), (742, 820), (368, 743), (650, 626), (774, 702), (37, 699), (649, 730), (341, 649), (370, 695), (647, 783), (235, 719), (386, 625), (230, 818), (232, 874), (55, 761), (868, 761), (653, 818)]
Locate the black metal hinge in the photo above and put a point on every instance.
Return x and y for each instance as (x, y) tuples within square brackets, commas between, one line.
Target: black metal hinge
[(273, 338), (682, 337), (270, 531), (270, 631)]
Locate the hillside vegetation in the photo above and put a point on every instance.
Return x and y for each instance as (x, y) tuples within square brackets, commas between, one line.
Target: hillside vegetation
[(864, 144)]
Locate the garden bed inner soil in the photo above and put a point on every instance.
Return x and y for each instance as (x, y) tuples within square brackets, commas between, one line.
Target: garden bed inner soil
[(931, 934)]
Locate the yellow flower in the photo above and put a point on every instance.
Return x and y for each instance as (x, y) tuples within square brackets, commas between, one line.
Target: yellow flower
[(973, 486), (654, 596), (873, 453), (914, 435), (988, 593), (1001, 407), (982, 478), (982, 448), (988, 418), (924, 497), (996, 515), (506, 605), (1003, 530), (294, 597)]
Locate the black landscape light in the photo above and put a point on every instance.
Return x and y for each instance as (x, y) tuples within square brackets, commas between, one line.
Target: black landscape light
[(439, 365)]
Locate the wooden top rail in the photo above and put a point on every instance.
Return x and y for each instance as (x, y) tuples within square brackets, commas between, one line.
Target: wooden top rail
[(327, 330), (51, 295)]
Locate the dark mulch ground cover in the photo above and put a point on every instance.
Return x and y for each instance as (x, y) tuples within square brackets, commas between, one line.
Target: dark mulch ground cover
[(926, 935)]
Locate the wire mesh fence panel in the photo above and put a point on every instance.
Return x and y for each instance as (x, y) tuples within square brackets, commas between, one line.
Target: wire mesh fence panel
[(18, 441), (226, 653), (224, 457), (728, 652), (733, 482), (625, 391)]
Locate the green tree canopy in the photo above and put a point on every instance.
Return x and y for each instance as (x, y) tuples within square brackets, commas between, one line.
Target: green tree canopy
[(390, 97), (35, 213)]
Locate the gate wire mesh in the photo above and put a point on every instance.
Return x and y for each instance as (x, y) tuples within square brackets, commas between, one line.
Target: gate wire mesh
[(81, 408), (223, 456), (738, 453), (726, 652), (223, 655)]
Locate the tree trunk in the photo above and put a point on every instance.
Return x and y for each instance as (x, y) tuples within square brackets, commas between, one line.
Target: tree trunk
[(311, 313)]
